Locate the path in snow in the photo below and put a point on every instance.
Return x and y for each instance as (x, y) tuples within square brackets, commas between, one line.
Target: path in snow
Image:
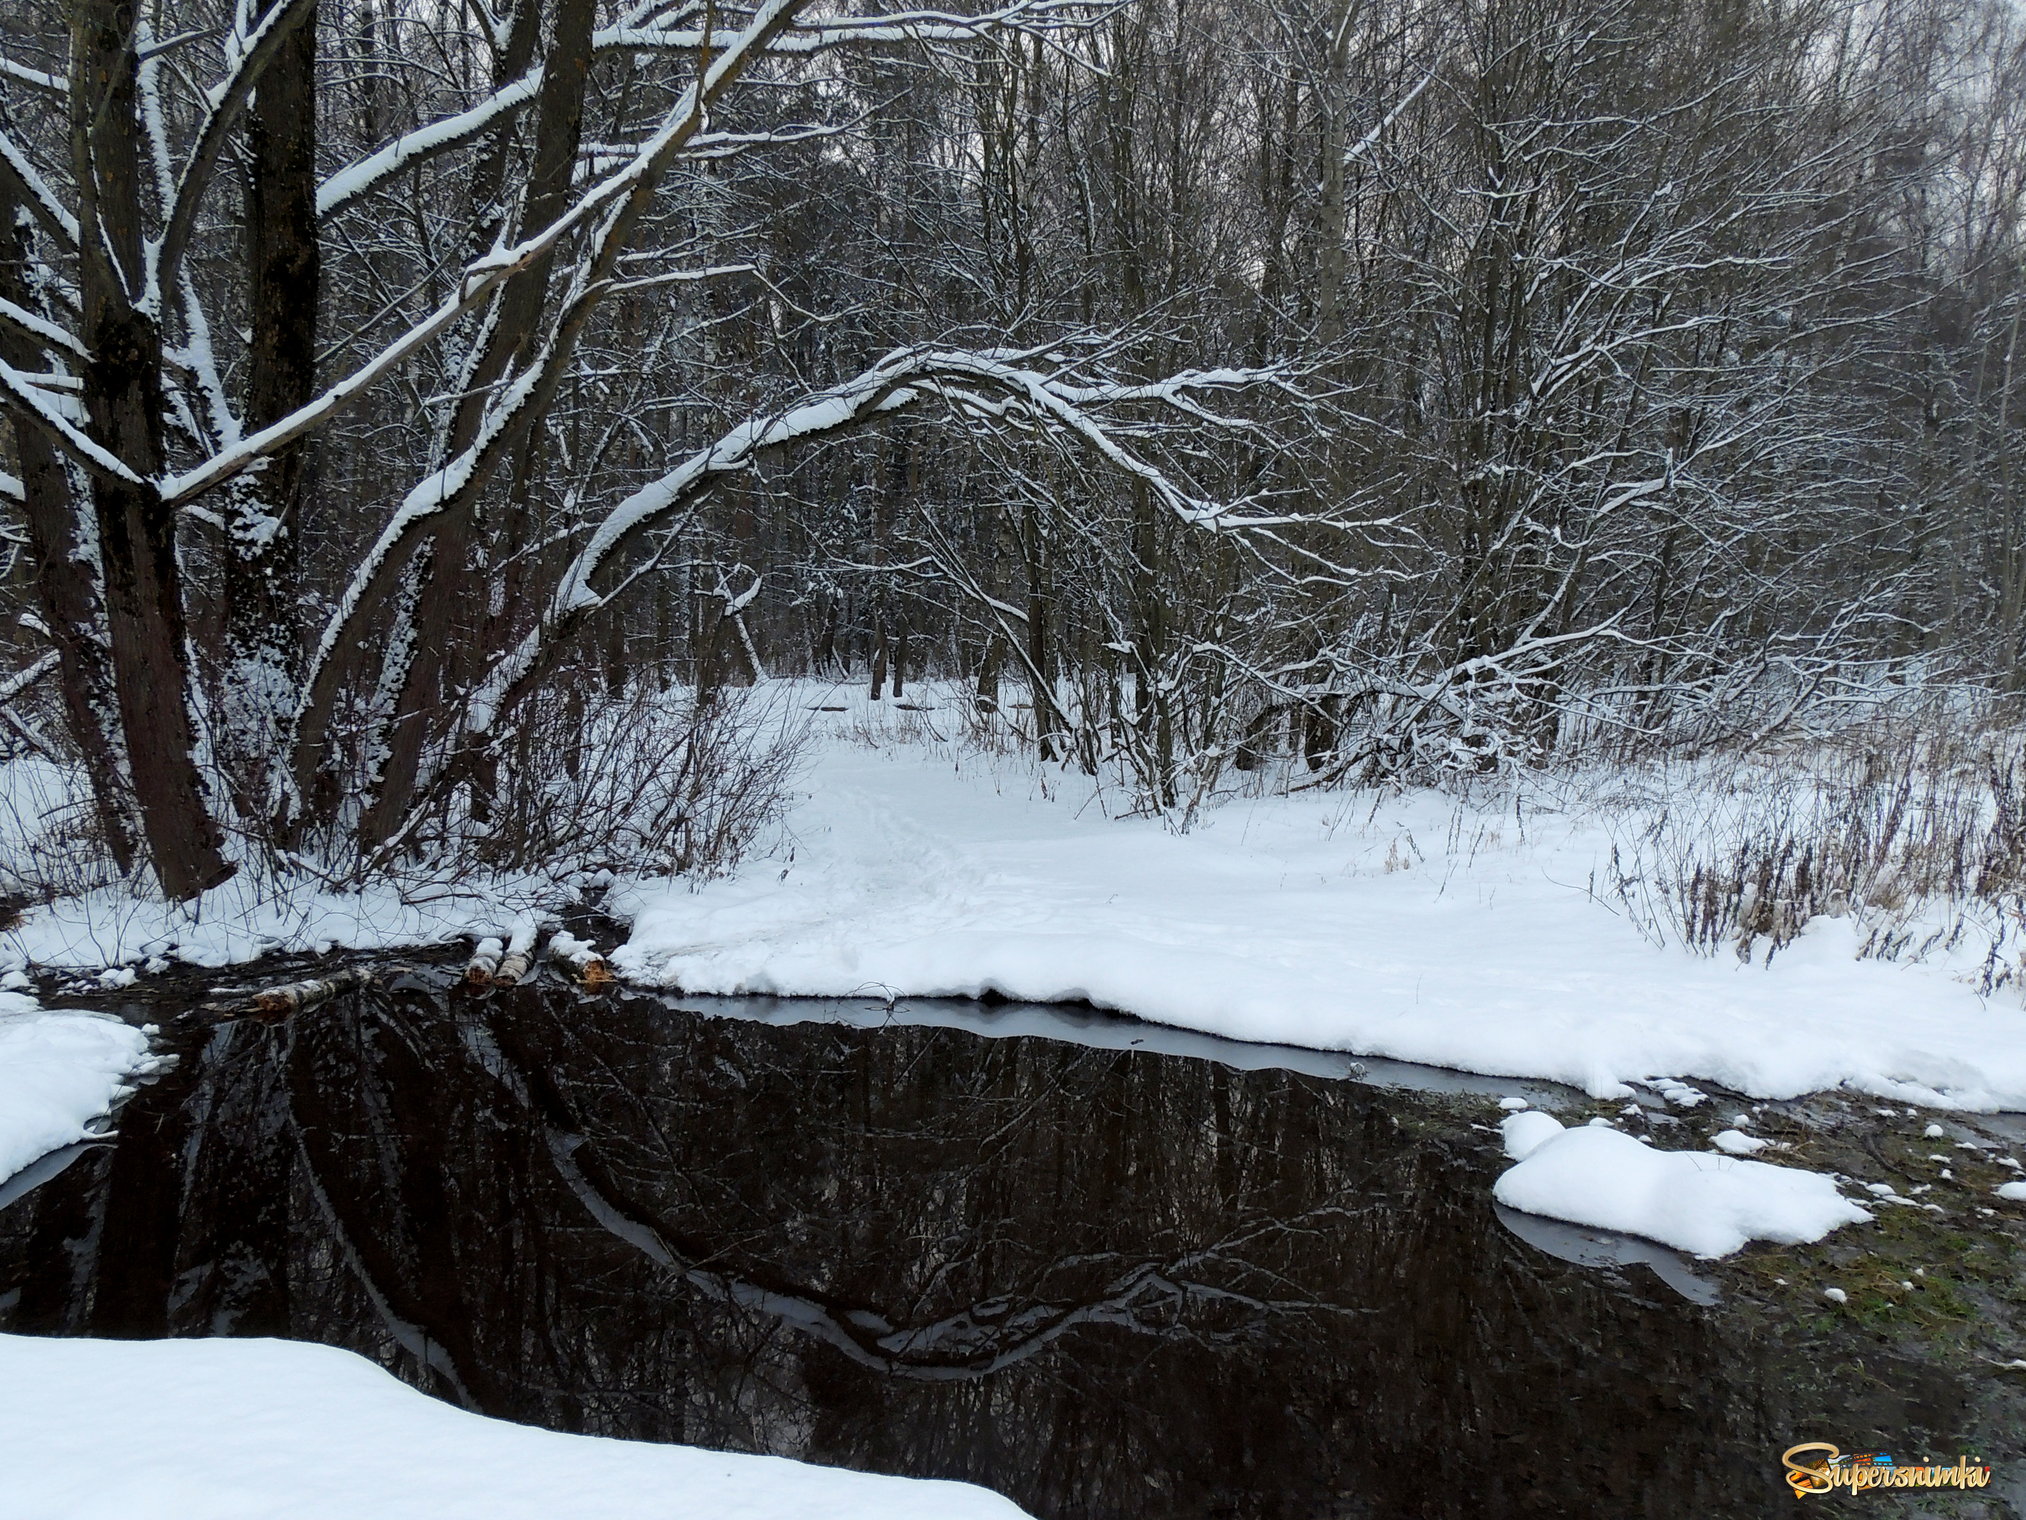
[(914, 874)]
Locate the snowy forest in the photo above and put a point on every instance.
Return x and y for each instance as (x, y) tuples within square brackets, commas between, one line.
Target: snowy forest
[(1057, 760), (400, 393)]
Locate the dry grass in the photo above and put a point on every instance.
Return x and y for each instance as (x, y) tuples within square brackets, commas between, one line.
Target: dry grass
[(50, 845), (655, 783), (1918, 831), (674, 783)]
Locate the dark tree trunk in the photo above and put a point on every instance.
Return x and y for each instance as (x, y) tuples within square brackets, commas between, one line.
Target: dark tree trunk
[(263, 640), (123, 405), (988, 677), (453, 610), (66, 582)]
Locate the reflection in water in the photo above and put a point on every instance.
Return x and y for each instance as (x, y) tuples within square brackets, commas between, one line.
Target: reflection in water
[(1107, 1282)]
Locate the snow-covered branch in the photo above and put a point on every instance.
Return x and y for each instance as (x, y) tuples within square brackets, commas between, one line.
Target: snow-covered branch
[(28, 186), (21, 392), (901, 379), (12, 686), (462, 127)]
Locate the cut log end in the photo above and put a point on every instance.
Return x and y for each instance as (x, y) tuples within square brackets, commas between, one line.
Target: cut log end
[(581, 960)]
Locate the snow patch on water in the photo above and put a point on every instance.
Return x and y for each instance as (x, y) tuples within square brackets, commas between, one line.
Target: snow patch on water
[(1708, 1205), (59, 1071)]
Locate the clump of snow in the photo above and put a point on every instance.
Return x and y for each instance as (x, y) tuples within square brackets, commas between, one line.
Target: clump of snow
[(565, 946), (58, 1072), (1836, 1295), (918, 870), (1736, 1143), (1680, 1094), (252, 1429), (1707, 1205), (2013, 1192)]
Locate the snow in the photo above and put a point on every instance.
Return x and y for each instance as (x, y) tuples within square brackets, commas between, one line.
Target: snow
[(1407, 926), (2013, 1192), (58, 1072), (247, 918), (1680, 1094), (1707, 1205), (1736, 1143), (254, 1429)]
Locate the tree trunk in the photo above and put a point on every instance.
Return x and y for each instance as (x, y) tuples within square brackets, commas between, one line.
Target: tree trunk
[(263, 641), (123, 405), (453, 611), (66, 578)]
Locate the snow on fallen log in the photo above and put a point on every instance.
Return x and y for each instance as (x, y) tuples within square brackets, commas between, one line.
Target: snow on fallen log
[(483, 967), (580, 958), (513, 966), (1705, 1204)]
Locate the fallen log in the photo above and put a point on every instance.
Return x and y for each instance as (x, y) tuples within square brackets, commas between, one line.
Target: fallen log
[(513, 966), (292, 997), (580, 959), (483, 967)]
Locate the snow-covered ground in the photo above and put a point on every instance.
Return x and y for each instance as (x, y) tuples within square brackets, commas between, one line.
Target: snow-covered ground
[(1405, 926), (58, 1072), (259, 1429)]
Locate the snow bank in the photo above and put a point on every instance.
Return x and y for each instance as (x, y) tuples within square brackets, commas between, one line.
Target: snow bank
[(247, 918), (255, 1429), (58, 1072), (1708, 1205), (1405, 929)]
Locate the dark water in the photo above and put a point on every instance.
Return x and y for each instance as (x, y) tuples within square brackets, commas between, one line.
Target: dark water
[(1109, 1282)]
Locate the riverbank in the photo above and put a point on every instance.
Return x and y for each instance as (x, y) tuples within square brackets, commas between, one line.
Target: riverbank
[(1476, 931), (1479, 929)]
